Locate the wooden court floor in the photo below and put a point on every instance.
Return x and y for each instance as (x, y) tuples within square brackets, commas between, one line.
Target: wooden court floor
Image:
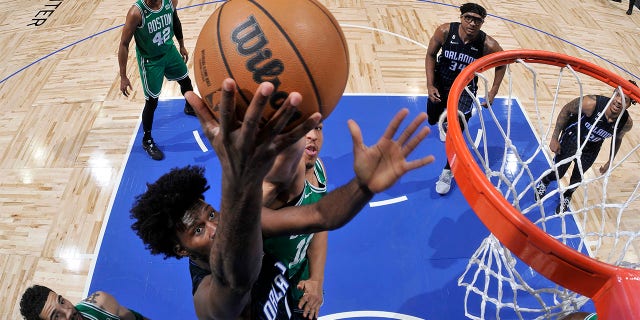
[(65, 130)]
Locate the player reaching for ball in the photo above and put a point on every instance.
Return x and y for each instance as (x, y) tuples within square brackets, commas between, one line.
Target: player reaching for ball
[(153, 23), (234, 279)]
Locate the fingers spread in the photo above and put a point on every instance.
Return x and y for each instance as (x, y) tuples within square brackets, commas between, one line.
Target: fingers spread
[(356, 134), (395, 123), (253, 114), (415, 141), (413, 126), (227, 105)]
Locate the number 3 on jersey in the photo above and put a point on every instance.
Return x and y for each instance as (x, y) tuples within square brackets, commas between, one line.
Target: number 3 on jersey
[(161, 36), (455, 66)]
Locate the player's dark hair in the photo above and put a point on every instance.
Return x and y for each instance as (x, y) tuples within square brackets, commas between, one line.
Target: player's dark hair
[(33, 300), (159, 211), (473, 7)]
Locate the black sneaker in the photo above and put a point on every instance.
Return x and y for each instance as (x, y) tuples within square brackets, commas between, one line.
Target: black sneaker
[(188, 110), (563, 205), (152, 149), (540, 190)]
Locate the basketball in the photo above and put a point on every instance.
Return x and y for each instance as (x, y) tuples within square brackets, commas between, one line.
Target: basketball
[(295, 44)]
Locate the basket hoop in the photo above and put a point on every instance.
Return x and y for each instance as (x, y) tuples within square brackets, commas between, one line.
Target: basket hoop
[(614, 290)]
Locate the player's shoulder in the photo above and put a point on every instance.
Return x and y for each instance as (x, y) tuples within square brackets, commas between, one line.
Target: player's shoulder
[(135, 12), (491, 44)]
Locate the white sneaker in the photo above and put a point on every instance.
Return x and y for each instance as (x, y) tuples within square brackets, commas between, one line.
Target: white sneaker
[(444, 182), (540, 190)]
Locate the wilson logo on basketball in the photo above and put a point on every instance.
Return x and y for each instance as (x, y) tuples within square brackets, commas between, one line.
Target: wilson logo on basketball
[(251, 42)]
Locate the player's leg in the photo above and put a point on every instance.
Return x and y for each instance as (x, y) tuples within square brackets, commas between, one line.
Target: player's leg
[(587, 159), (631, 4), (567, 149), (443, 185), (151, 75), (176, 70), (435, 109)]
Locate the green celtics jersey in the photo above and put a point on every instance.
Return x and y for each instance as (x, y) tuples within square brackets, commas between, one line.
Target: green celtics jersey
[(155, 36), (292, 250)]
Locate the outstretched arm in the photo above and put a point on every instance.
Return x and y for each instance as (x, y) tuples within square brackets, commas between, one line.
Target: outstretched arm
[(377, 168), (246, 153)]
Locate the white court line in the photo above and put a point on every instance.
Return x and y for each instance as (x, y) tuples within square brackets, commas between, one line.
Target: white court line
[(196, 135), (369, 314), (387, 202)]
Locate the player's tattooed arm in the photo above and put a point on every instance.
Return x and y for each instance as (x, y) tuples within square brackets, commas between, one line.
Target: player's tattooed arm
[(567, 112), (93, 298)]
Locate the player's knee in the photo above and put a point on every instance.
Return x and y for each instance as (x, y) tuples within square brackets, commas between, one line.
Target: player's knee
[(185, 85)]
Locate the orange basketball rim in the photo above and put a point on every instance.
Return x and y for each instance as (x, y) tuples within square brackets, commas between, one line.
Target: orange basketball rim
[(614, 290)]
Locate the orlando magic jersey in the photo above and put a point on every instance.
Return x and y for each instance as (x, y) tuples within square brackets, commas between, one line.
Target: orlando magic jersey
[(602, 128), (155, 36), (455, 55), (269, 293)]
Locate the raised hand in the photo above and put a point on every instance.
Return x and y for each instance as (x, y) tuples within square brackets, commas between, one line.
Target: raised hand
[(378, 167), (250, 147)]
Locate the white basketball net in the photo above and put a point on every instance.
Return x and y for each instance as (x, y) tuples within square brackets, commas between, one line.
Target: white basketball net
[(598, 223)]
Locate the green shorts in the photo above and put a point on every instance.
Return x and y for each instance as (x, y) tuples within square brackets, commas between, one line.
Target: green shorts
[(154, 70)]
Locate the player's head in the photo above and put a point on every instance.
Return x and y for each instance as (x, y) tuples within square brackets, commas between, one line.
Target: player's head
[(313, 143), (41, 303), (474, 8), (620, 101), (472, 17), (172, 218)]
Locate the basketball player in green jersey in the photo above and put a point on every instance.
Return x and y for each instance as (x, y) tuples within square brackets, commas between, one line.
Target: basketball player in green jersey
[(41, 303), (152, 23), (303, 254)]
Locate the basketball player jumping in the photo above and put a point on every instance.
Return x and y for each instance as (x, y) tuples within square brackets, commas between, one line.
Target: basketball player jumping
[(41, 303), (152, 23), (461, 43), (594, 127), (304, 182), (226, 246)]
